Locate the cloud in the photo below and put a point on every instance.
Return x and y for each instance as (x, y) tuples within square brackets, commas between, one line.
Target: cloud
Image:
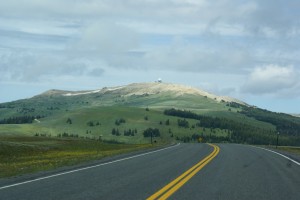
[(273, 79), (184, 54), (255, 17), (106, 37), (32, 67), (96, 72)]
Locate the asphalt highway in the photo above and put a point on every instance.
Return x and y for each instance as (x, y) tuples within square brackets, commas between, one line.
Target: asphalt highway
[(221, 171)]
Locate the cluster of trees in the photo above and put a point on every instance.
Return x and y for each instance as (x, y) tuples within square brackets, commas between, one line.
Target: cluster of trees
[(167, 122), (240, 132), (64, 134), (181, 113), (129, 132), (183, 123), (233, 105), (151, 132), (19, 120), (285, 124), (93, 123), (115, 131), (119, 121), (42, 134)]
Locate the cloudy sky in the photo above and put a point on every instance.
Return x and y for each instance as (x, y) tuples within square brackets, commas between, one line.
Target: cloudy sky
[(248, 49)]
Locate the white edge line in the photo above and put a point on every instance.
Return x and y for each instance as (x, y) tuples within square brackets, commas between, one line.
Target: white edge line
[(85, 168), (294, 161)]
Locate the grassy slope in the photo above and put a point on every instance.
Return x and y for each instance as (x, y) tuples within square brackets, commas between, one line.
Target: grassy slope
[(107, 116), (107, 108)]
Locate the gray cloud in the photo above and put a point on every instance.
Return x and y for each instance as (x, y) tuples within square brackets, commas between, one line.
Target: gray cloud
[(277, 15), (273, 79), (192, 58), (96, 72), (32, 67), (106, 37)]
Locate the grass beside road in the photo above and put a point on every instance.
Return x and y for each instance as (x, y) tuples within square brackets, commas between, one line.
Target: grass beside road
[(295, 150), (23, 154)]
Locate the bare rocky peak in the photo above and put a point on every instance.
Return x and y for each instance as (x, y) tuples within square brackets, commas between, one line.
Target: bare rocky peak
[(149, 89), (61, 92), (53, 92), (176, 89)]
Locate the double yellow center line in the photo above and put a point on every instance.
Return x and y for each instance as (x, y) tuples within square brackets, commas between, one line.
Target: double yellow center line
[(177, 183)]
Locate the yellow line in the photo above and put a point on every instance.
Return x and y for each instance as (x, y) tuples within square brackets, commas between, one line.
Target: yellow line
[(173, 186)]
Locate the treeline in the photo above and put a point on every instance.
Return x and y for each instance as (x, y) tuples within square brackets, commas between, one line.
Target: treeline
[(285, 124), (20, 120), (239, 132), (181, 113)]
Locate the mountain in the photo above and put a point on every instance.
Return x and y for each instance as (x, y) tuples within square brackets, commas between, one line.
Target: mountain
[(177, 111)]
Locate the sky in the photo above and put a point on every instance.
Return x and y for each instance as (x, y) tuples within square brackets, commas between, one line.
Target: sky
[(247, 49)]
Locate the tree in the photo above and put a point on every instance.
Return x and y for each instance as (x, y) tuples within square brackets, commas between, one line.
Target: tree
[(150, 132), (90, 123), (167, 122), (69, 121), (117, 132), (113, 132)]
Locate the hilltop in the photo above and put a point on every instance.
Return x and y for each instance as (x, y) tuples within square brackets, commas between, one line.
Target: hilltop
[(142, 89)]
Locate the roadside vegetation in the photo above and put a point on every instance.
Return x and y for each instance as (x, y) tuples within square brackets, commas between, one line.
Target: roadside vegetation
[(290, 149), (27, 154)]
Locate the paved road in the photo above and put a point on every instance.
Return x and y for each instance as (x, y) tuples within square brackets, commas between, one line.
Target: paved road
[(237, 172)]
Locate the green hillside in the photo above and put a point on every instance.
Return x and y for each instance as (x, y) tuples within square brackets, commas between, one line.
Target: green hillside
[(93, 115)]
